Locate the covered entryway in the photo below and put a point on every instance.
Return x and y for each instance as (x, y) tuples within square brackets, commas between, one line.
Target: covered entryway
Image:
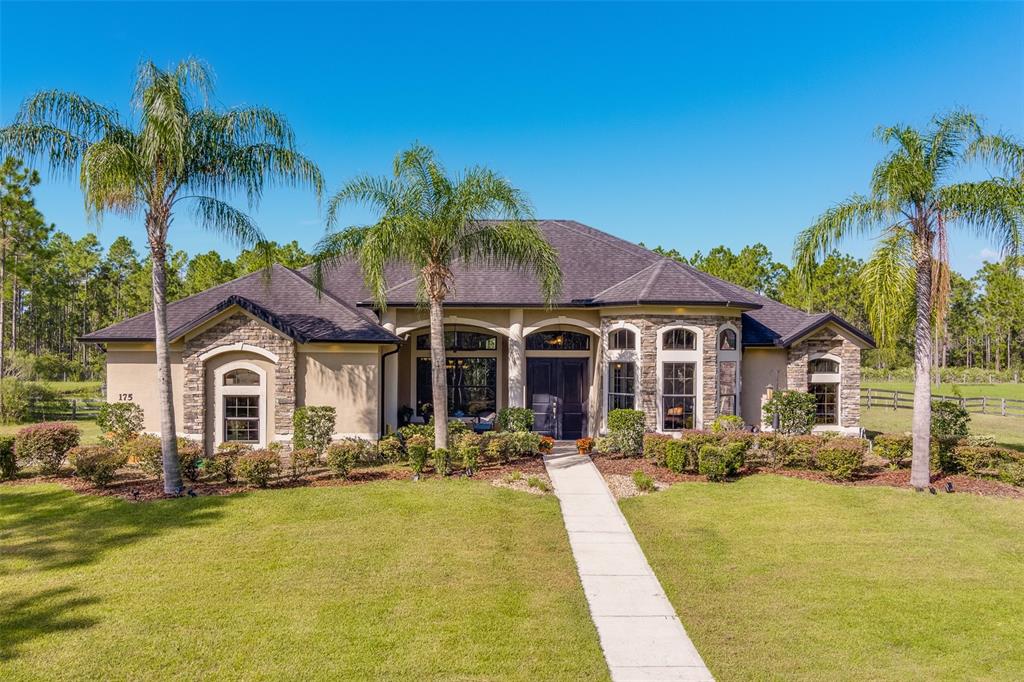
[(556, 391)]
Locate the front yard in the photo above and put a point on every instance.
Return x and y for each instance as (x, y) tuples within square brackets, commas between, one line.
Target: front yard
[(396, 580), (778, 578)]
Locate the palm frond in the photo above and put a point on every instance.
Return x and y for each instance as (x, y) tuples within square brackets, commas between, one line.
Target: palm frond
[(36, 141), (111, 179), (946, 143), (1002, 150), (79, 116), (857, 215), (991, 209), (222, 218), (887, 281)]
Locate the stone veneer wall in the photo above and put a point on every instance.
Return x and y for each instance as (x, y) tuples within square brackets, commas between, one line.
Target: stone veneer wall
[(647, 385), (238, 328), (828, 341)]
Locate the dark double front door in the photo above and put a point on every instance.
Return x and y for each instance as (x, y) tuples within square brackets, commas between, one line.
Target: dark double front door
[(556, 391)]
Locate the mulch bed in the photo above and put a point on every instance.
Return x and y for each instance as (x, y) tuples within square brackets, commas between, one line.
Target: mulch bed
[(134, 486), (872, 475)]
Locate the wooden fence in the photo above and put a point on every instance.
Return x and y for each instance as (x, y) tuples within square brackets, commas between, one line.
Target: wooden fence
[(904, 400), (67, 409)]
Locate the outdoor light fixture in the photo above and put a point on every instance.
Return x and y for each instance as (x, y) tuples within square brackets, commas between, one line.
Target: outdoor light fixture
[(949, 487)]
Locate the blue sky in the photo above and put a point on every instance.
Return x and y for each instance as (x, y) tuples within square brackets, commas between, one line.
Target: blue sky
[(686, 125)]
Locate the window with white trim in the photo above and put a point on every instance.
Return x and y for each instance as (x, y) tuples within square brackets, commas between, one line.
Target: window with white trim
[(621, 359), (242, 418), (728, 370), (823, 379), (679, 382)]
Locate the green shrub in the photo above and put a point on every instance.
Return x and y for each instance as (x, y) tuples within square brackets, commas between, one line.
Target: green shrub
[(941, 453), (895, 447), (975, 460), (190, 458), (455, 428), (224, 460), (713, 462), (46, 445), (949, 418), (301, 462), (1012, 473), (515, 419), (802, 450), (654, 447), (418, 448), (257, 467), (442, 461), (608, 445), (498, 447), (740, 442), (678, 456), (313, 427), (774, 449), (342, 455), (840, 458), (468, 448), (795, 411), (691, 441), (144, 450), (123, 420), (523, 443), (628, 427), (727, 422), (97, 464), (8, 462), (984, 440), (643, 482), (389, 449)]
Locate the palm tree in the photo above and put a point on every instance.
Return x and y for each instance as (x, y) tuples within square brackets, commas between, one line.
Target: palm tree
[(178, 150), (430, 220), (912, 209)]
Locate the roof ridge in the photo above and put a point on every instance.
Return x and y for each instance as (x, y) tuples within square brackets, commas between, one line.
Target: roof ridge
[(658, 267), (605, 238), (598, 295)]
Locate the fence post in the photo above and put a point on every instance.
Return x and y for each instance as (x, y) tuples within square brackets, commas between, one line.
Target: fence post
[(869, 398), (984, 404), (74, 409), (1003, 406), (895, 400)]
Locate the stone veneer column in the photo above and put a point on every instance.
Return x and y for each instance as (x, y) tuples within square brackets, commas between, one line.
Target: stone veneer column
[(238, 328)]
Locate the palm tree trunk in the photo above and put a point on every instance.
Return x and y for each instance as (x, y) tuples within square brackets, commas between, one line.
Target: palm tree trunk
[(168, 434), (438, 375), (919, 469)]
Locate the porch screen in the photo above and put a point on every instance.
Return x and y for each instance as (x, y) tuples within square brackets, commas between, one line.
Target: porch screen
[(472, 385)]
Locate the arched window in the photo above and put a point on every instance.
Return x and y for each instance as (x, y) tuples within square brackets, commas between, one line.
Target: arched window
[(823, 366), (823, 383), (241, 377), (460, 340), (727, 339), (621, 339), (679, 339), (558, 340)]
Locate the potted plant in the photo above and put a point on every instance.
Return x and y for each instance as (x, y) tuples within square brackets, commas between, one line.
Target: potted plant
[(584, 445), (547, 444)]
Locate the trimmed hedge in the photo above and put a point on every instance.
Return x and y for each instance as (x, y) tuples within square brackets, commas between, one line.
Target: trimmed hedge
[(258, 467), (627, 427), (46, 445), (97, 464), (895, 447), (655, 447), (718, 463), (342, 455), (418, 446), (840, 458), (515, 419)]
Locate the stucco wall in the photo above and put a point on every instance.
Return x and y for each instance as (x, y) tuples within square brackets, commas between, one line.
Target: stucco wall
[(760, 369), (212, 365), (131, 370), (350, 381)]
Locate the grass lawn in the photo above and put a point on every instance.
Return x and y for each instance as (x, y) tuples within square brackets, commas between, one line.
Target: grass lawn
[(778, 578), (1008, 431), (90, 430), (438, 579)]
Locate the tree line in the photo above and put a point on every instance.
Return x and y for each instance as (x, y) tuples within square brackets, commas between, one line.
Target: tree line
[(55, 288)]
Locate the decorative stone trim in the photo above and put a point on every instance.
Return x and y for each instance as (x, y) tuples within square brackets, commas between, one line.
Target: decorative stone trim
[(829, 342), (242, 333)]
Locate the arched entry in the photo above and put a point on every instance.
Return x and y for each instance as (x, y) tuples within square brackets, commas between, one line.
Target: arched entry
[(558, 381)]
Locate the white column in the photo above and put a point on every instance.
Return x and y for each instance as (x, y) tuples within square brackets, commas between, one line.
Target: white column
[(390, 403), (595, 402), (516, 359)]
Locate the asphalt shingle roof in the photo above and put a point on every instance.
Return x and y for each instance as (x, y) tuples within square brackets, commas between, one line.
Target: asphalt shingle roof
[(598, 269)]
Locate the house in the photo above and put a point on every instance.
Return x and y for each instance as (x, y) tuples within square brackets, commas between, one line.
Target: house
[(631, 329)]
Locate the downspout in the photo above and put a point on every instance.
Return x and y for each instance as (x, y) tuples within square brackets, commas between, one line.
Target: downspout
[(383, 421)]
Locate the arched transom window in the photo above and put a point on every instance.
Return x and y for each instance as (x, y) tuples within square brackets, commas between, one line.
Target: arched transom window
[(621, 339), (679, 339), (241, 377), (727, 339), (558, 340)]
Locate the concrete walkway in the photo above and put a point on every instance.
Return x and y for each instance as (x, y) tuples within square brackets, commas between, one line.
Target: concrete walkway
[(640, 633)]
